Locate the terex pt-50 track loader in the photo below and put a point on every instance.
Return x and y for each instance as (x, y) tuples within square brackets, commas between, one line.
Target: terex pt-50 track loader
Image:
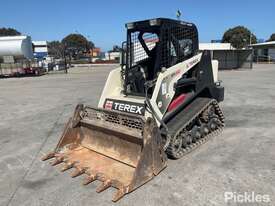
[(163, 101)]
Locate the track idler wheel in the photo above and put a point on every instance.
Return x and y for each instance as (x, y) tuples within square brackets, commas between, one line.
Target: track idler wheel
[(196, 133), (176, 147), (186, 139), (204, 130), (214, 123)]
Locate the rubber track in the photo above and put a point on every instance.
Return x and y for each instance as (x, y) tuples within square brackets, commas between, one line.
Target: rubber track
[(180, 122)]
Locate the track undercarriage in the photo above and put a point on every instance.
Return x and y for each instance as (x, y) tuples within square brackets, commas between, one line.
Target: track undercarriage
[(193, 127)]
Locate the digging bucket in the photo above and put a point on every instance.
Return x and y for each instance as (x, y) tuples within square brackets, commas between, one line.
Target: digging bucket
[(121, 150)]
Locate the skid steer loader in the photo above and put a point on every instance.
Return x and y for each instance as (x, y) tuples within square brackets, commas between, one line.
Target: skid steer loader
[(162, 102)]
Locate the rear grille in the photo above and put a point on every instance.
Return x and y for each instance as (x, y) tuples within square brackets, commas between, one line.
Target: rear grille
[(118, 118)]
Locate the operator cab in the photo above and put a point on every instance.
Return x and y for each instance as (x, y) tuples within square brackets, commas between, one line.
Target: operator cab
[(153, 45)]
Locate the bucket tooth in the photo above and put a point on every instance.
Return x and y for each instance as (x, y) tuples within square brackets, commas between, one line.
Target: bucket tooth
[(57, 161), (103, 186), (118, 195), (89, 179), (48, 156), (67, 166), (77, 172)]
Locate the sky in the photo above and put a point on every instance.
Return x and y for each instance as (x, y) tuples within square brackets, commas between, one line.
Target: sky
[(103, 22)]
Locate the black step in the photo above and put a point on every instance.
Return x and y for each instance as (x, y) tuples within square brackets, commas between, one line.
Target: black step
[(179, 121)]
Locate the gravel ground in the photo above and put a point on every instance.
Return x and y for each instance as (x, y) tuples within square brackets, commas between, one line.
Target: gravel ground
[(242, 159)]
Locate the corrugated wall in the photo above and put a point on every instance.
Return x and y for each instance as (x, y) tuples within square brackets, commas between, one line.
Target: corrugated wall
[(233, 59)]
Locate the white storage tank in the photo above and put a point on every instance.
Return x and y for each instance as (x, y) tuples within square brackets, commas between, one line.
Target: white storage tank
[(16, 46)]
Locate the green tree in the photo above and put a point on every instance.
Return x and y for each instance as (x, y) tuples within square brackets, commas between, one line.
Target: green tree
[(239, 37), (9, 32), (77, 44), (56, 49), (272, 37)]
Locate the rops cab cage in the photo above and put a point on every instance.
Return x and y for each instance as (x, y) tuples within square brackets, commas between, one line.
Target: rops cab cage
[(155, 44)]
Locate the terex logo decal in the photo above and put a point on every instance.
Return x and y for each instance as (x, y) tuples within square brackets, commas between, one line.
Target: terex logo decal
[(192, 63), (123, 106), (108, 105)]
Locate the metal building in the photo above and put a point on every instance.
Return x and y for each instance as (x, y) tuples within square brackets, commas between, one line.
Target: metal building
[(264, 52), (228, 56), (40, 49)]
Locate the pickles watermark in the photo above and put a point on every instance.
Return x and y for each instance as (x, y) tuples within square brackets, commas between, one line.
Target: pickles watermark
[(246, 197)]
